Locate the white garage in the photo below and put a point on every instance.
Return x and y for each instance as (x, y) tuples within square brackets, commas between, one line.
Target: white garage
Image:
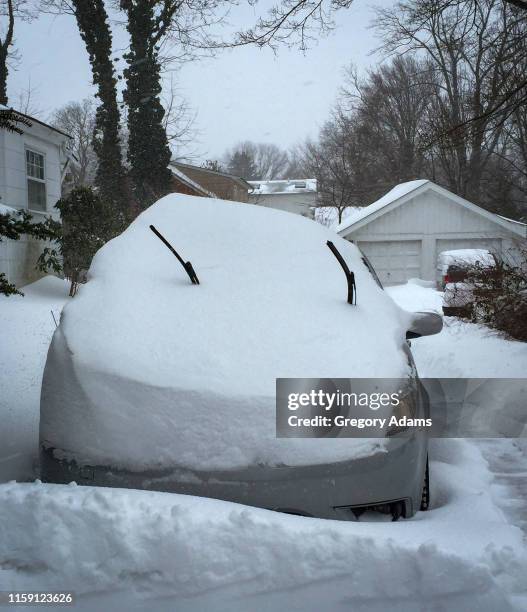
[(404, 231)]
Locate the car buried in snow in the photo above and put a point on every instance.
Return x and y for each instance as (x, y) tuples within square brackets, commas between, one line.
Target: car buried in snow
[(454, 268), (162, 373)]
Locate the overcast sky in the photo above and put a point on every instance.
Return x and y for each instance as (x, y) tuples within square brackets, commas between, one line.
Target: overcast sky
[(242, 94)]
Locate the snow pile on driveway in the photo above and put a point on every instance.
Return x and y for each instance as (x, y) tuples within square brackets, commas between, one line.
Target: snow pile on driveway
[(148, 370), (208, 554), (416, 295), (134, 550), (462, 349)]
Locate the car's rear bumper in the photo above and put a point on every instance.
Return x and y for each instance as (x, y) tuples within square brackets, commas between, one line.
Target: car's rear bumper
[(324, 491)]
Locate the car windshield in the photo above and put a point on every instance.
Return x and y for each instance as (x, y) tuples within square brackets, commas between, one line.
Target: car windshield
[(367, 263)]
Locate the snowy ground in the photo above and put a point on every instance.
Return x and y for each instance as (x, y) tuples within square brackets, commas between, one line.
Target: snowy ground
[(26, 327), (461, 349), (133, 550)]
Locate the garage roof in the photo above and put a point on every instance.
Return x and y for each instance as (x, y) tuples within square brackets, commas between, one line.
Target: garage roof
[(404, 192), (394, 194)]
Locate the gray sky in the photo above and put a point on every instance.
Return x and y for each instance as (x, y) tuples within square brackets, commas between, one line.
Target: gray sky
[(242, 94)]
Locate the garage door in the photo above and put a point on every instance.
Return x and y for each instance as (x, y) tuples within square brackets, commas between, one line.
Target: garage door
[(395, 261)]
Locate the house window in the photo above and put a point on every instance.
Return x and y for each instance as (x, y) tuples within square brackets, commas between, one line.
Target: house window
[(36, 180)]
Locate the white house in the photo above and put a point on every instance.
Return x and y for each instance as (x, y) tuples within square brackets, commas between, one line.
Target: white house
[(403, 232), (32, 165), (296, 196)]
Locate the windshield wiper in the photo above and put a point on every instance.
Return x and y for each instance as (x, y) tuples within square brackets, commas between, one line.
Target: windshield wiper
[(350, 276), (186, 264)]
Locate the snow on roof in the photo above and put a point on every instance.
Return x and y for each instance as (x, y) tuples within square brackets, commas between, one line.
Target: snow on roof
[(189, 370), (7, 210), (35, 120), (394, 194), (277, 187), (399, 191), (511, 220), (186, 179)]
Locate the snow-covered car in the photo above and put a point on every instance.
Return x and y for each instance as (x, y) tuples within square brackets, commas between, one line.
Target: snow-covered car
[(156, 382), (453, 269)]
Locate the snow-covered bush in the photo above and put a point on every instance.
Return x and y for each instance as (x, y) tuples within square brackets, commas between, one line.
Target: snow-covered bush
[(500, 296), (88, 223), (16, 223)]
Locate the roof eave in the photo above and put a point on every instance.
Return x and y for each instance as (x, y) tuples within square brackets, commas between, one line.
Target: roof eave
[(42, 123), (238, 179)]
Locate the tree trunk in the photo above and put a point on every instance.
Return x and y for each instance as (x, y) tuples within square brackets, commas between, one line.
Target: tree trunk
[(4, 51), (3, 77), (110, 177), (148, 151)]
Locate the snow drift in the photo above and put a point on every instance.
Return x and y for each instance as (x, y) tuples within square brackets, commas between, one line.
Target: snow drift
[(147, 370), (164, 551)]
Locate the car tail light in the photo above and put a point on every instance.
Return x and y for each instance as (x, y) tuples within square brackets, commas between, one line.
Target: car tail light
[(446, 279)]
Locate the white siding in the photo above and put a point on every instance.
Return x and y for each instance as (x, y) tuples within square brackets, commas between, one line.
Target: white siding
[(3, 182), (18, 258), (15, 179)]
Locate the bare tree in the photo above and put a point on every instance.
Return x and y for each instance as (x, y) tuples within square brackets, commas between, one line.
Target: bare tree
[(263, 161), (295, 166), (212, 164), (26, 100), (292, 23), (10, 11), (372, 140), (78, 120), (519, 3), (338, 163), (391, 104), (95, 30), (271, 161), (471, 48), (179, 121)]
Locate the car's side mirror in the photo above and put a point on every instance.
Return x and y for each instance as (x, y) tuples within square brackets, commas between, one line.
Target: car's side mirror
[(425, 324)]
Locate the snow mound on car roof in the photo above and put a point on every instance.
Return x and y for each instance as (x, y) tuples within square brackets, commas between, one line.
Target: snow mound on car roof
[(147, 369), (469, 257)]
